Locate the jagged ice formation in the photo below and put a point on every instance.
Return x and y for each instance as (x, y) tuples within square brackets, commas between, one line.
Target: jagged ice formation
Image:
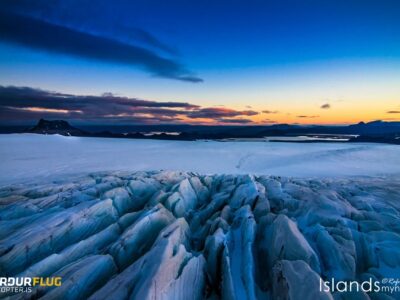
[(177, 235)]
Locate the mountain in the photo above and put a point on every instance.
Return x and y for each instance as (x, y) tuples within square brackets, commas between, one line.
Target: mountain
[(56, 127), (375, 128), (376, 131)]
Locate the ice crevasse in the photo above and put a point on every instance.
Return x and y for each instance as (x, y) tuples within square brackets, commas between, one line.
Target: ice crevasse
[(181, 235)]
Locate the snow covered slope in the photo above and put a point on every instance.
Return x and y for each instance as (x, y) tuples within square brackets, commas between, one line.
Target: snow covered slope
[(27, 156), (173, 235)]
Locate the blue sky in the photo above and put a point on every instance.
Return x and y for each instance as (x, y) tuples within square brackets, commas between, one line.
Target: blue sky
[(291, 57)]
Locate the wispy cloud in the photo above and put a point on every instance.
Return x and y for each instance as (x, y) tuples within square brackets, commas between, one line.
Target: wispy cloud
[(391, 119), (235, 121), (219, 112), (269, 121), (270, 111), (393, 112), (325, 106), (40, 34), (24, 103), (305, 117)]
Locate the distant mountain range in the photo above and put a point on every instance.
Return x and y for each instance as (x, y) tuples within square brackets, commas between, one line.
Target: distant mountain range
[(376, 131)]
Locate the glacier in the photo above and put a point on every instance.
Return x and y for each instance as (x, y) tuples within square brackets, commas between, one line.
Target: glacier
[(25, 157), (188, 235)]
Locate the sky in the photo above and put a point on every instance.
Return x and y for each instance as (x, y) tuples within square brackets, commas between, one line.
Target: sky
[(200, 62)]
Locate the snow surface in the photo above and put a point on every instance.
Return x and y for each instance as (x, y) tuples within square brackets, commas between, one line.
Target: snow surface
[(27, 156)]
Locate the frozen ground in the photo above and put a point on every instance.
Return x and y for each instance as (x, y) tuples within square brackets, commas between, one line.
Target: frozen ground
[(179, 235), (28, 156)]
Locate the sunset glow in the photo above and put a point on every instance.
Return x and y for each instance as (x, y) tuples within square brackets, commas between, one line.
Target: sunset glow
[(268, 62)]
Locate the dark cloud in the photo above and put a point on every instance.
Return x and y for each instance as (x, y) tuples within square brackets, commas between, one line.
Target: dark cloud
[(220, 112), (129, 34), (309, 117), (393, 112), (325, 106), (24, 103), (26, 96), (107, 94), (270, 111), (236, 121), (35, 33), (100, 19)]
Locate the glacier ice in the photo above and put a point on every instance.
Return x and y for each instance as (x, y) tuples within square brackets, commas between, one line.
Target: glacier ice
[(182, 235)]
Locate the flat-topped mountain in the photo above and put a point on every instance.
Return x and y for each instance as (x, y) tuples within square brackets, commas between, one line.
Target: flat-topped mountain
[(56, 127)]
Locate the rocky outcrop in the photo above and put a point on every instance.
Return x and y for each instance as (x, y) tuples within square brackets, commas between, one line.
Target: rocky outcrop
[(56, 127), (174, 235)]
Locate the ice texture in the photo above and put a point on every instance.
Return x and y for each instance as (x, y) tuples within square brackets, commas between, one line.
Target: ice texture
[(183, 235)]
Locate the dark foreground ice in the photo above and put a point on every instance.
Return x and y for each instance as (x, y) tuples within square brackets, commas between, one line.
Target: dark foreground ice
[(176, 235)]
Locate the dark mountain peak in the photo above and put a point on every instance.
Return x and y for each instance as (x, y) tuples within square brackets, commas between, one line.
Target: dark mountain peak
[(376, 122), (56, 127), (52, 125)]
